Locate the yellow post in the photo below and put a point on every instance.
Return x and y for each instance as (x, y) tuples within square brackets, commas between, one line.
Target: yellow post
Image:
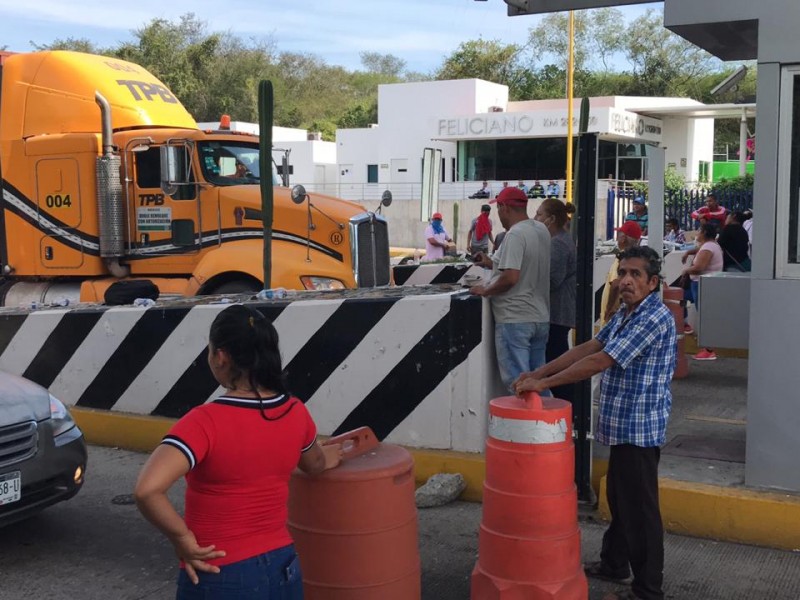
[(570, 73)]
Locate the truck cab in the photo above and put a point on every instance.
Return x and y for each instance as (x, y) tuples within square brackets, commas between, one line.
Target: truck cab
[(105, 176)]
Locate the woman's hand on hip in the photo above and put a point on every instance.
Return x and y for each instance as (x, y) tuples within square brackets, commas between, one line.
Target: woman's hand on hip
[(195, 556)]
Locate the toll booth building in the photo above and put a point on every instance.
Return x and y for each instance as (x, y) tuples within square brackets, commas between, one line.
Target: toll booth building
[(484, 136)]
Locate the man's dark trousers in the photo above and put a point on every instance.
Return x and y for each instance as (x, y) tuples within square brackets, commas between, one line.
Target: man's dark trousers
[(636, 534)]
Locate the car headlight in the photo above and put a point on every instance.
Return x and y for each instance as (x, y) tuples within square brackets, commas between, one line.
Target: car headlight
[(60, 417), (321, 283)]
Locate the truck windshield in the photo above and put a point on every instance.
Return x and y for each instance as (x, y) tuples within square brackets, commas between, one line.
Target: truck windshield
[(231, 163)]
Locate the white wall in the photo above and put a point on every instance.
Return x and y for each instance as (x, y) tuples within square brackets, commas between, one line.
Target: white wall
[(407, 114)]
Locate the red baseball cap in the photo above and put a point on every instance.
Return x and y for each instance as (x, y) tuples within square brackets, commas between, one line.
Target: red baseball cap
[(631, 229), (511, 196), (436, 216)]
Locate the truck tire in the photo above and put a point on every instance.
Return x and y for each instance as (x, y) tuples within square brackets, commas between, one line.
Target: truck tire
[(237, 287), (128, 290)]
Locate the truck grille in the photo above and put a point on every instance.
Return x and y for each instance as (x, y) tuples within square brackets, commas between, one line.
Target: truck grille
[(370, 240), (18, 442)]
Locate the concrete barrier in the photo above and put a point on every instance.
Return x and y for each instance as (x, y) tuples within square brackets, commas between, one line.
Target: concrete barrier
[(408, 362), (436, 273)]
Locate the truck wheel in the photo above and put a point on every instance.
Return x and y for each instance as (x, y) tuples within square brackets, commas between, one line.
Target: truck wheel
[(237, 287)]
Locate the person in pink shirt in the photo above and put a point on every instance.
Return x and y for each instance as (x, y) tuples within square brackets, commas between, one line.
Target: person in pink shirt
[(712, 211), (437, 240), (709, 259)]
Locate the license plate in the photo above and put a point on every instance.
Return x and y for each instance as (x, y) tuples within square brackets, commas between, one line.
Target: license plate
[(10, 487)]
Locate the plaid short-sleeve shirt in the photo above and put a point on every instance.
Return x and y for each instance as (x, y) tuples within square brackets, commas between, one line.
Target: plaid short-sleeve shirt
[(635, 396)]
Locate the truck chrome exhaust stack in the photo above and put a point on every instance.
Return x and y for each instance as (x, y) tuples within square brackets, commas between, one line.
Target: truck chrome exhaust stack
[(110, 208)]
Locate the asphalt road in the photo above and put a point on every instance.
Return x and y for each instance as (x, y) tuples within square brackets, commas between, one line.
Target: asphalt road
[(97, 547)]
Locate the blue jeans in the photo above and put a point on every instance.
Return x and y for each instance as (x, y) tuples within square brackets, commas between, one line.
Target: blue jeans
[(273, 575), (520, 347)]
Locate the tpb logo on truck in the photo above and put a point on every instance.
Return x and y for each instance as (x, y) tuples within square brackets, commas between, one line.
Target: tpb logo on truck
[(138, 89)]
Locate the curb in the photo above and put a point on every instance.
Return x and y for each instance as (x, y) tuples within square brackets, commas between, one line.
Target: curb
[(728, 514)]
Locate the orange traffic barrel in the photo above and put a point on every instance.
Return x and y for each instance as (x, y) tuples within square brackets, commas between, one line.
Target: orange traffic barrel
[(529, 542), (673, 298), (355, 526)]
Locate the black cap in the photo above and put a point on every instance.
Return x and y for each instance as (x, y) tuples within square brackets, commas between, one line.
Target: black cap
[(486, 208)]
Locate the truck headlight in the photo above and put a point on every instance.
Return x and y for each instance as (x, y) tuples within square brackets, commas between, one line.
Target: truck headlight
[(321, 283), (60, 417)]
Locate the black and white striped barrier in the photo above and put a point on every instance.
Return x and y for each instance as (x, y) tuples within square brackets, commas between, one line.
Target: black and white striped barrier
[(412, 366), (436, 273)]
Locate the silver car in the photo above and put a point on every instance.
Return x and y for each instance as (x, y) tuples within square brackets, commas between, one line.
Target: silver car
[(42, 450)]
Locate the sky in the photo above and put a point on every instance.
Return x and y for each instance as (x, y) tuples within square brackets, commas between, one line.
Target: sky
[(421, 32)]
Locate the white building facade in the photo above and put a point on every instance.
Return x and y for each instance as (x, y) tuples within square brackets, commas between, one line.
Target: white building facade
[(483, 136)]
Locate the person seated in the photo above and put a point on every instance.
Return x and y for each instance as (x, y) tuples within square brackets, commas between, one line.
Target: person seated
[(638, 214), (537, 190), (484, 192), (553, 190), (521, 185), (674, 234), (713, 211), (735, 244)]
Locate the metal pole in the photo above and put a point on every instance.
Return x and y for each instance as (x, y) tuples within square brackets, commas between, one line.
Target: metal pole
[(584, 321), (743, 144), (656, 212), (570, 81), (265, 120)]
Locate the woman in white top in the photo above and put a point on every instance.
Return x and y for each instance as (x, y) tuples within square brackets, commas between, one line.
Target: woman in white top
[(709, 259)]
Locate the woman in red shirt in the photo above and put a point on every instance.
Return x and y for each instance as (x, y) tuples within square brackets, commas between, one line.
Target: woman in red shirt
[(237, 454)]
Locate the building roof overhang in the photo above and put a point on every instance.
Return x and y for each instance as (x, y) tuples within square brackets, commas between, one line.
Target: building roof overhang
[(708, 111)]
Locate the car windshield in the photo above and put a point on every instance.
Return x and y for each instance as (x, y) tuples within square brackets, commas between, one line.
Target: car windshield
[(231, 163)]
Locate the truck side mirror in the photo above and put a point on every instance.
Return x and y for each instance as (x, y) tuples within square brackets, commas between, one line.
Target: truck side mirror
[(299, 194), (386, 198), (171, 172)]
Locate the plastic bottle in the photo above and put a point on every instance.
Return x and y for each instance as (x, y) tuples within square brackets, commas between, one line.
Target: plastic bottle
[(144, 302), (271, 294)]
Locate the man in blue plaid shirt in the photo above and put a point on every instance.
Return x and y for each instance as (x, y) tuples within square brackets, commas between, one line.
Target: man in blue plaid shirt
[(636, 353)]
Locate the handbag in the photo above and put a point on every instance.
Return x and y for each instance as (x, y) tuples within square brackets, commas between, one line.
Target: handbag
[(743, 266)]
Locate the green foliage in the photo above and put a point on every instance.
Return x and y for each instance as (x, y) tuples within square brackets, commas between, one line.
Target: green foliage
[(217, 72), (735, 184), (597, 38), (674, 183), (73, 44), (487, 59), (359, 115), (325, 126)]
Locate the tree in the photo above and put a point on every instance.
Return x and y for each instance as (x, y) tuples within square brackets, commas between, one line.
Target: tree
[(598, 36), (386, 65), (663, 63), (489, 60), (359, 115), (73, 44)]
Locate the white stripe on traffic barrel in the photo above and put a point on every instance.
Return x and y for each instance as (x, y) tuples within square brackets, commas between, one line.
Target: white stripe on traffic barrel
[(527, 432)]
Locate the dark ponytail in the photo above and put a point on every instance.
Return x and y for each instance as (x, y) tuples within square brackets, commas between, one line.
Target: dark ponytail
[(252, 343)]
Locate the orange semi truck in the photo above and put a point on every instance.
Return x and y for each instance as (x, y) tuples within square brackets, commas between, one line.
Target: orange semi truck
[(105, 176)]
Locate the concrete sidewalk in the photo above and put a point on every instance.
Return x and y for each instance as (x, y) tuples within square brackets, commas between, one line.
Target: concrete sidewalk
[(695, 569), (702, 470)]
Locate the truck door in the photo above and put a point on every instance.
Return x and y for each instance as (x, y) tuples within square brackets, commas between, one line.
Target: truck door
[(58, 196), (166, 226)]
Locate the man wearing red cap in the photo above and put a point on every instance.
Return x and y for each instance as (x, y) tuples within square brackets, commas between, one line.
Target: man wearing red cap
[(519, 290), (628, 236), (436, 238)]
